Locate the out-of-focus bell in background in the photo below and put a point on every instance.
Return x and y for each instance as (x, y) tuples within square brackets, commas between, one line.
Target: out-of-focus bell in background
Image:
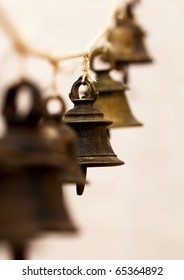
[(134, 211)]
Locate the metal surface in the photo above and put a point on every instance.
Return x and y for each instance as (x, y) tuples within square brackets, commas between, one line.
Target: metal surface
[(127, 39), (112, 100), (94, 147)]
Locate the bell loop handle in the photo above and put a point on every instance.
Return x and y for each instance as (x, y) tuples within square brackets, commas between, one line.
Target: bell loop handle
[(90, 95), (10, 110), (125, 14), (107, 56), (59, 115)]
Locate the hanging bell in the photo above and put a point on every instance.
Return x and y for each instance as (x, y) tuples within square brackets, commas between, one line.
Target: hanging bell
[(94, 147), (31, 169), (18, 221), (112, 100), (65, 140), (127, 39)]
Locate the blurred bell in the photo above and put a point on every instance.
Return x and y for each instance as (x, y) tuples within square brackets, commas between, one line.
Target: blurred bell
[(65, 140), (94, 147), (18, 221), (127, 39), (30, 154), (112, 100)]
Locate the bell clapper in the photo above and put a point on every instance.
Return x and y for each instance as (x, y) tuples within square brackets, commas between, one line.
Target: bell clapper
[(80, 187), (18, 251), (108, 133), (125, 74)]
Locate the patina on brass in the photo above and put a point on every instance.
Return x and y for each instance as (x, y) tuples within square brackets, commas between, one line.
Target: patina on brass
[(31, 200), (127, 39), (94, 147), (112, 100)]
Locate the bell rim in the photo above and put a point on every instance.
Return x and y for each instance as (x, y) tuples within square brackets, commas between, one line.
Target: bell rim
[(120, 62), (103, 122), (119, 88), (59, 228), (100, 161), (138, 124)]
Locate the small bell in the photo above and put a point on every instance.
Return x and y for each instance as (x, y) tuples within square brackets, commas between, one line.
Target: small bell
[(65, 140), (94, 147), (127, 39), (112, 100)]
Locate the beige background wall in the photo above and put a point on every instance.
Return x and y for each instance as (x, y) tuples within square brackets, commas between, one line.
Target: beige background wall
[(135, 211)]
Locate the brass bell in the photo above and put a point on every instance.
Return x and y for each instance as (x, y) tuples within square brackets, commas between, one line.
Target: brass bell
[(31, 201), (127, 39), (112, 100), (94, 147), (18, 221), (65, 140)]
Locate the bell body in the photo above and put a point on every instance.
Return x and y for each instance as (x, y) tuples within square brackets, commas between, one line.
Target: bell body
[(95, 149), (45, 162), (18, 222), (51, 208), (112, 101), (127, 41)]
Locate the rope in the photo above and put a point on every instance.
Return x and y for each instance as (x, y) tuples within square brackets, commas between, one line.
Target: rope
[(26, 48)]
